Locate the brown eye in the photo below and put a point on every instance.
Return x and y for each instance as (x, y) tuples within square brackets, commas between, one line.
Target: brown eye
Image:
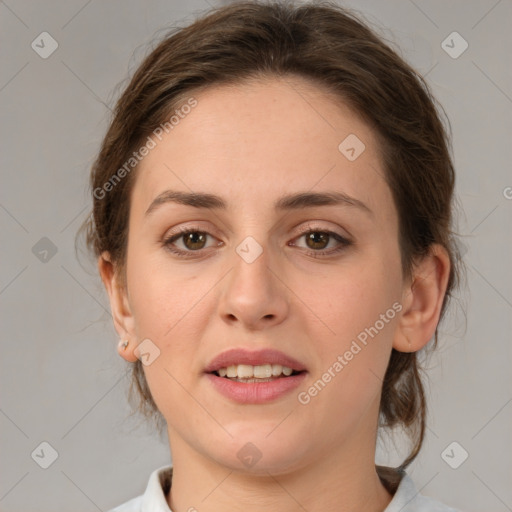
[(190, 241), (194, 240), (317, 240), (321, 243)]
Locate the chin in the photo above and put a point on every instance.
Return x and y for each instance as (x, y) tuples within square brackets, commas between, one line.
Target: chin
[(253, 450)]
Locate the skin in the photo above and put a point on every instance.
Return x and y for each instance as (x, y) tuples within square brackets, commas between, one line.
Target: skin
[(251, 144)]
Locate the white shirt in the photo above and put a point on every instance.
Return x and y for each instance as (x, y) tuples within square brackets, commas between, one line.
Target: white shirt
[(405, 499)]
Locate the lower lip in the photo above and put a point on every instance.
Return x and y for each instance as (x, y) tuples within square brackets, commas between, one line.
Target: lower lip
[(256, 392)]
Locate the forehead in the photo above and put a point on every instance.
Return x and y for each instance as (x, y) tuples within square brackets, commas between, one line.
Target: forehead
[(261, 139)]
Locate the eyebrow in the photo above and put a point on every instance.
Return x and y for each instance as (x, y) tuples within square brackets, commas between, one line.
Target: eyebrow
[(288, 202)]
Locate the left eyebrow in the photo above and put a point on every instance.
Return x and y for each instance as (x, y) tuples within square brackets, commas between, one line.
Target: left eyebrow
[(311, 199), (288, 202)]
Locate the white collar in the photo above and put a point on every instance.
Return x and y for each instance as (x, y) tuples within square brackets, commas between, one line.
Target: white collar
[(405, 499), (154, 498)]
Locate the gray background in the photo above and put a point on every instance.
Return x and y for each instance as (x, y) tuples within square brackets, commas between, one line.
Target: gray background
[(61, 379)]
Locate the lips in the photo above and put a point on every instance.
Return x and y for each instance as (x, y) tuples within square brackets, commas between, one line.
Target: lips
[(254, 390), (237, 356)]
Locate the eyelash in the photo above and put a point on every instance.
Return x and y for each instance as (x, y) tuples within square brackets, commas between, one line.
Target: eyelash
[(343, 242)]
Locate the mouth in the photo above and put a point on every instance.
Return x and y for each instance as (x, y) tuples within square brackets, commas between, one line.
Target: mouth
[(255, 377), (242, 364), (249, 374)]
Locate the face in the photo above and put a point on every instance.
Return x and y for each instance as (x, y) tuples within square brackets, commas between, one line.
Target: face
[(316, 278)]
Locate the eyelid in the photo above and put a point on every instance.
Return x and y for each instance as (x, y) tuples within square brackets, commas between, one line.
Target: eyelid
[(182, 229), (175, 234), (342, 243), (308, 227)]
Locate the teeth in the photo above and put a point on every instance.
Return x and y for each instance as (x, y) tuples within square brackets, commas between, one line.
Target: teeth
[(287, 371), (244, 371), (276, 370), (263, 371), (247, 371)]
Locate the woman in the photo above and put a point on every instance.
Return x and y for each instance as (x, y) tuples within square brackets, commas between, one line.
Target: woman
[(272, 209)]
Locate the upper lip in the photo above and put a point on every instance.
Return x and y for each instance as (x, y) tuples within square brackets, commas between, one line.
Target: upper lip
[(237, 356)]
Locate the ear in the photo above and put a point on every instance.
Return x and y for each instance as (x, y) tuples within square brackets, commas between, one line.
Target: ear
[(422, 300), (119, 305)]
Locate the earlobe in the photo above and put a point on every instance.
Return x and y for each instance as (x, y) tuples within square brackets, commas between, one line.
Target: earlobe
[(127, 350), (423, 300), (119, 305)]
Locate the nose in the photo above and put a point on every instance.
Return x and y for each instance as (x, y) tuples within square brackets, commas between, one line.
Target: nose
[(253, 296)]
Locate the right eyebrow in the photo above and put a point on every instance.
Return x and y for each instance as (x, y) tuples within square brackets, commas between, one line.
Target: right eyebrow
[(195, 199)]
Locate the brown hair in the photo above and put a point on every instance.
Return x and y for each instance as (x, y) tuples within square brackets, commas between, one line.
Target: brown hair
[(333, 49)]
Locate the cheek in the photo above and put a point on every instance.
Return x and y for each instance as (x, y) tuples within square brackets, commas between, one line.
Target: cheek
[(359, 305), (168, 307), (171, 305), (354, 297), (158, 297)]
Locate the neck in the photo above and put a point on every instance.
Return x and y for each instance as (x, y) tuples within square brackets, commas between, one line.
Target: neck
[(341, 479)]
